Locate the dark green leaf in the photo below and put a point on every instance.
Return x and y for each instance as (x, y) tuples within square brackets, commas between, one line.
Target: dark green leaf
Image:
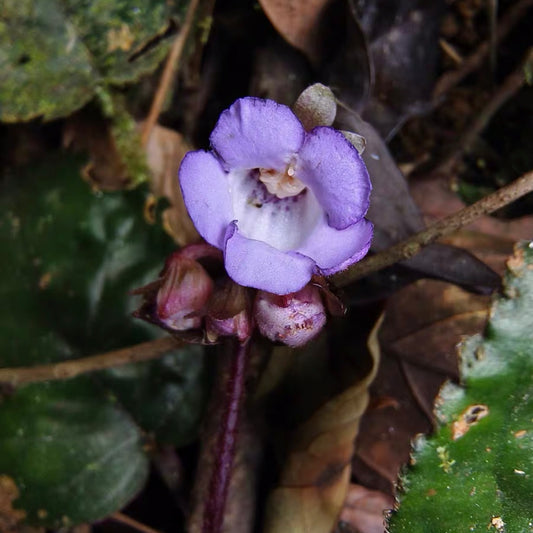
[(70, 256), (166, 397), (74, 456)]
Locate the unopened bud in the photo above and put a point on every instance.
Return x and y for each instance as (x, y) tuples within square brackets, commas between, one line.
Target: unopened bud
[(179, 297), (229, 313), (316, 106), (292, 319), (183, 294)]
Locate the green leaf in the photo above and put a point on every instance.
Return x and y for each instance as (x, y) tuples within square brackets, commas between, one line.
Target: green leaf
[(74, 456), (167, 397), (476, 472), (54, 55), (70, 256)]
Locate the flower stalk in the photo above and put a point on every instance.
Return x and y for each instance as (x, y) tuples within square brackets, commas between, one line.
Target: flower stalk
[(224, 420)]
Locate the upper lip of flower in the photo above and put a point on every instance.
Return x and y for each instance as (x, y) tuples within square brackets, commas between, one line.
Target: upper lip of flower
[(274, 237)]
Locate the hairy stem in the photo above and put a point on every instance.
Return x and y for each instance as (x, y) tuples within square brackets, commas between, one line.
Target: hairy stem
[(70, 369), (411, 246)]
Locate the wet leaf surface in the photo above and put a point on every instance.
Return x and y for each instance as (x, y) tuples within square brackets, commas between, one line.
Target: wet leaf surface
[(467, 473)]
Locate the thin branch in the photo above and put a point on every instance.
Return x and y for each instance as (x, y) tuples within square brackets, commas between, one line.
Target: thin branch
[(410, 247), (450, 79), (70, 369), (134, 524), (169, 72)]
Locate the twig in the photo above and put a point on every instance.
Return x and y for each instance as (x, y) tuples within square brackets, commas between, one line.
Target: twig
[(68, 369), (512, 84), (128, 521), (413, 245), (171, 66), (474, 61)]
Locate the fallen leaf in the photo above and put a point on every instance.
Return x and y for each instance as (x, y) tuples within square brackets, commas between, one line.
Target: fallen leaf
[(83, 132), (297, 21), (403, 48), (9, 517), (423, 324), (364, 510), (396, 216), (317, 471), (165, 150)]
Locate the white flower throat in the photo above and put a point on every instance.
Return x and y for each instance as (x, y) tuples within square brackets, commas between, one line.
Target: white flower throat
[(281, 184)]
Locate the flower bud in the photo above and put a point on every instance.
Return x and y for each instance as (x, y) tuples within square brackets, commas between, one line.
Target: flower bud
[(229, 313), (292, 319), (181, 299)]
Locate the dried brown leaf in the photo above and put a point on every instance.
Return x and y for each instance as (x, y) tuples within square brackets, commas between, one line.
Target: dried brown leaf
[(165, 150), (297, 21), (84, 133), (9, 517), (364, 510), (317, 471), (424, 322)]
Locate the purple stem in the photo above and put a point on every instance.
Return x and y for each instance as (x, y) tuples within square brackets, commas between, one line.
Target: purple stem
[(224, 450)]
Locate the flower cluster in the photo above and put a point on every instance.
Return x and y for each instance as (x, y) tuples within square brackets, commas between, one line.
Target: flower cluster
[(282, 203), (280, 199)]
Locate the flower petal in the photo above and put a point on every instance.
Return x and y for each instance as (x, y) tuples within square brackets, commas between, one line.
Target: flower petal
[(256, 133), (256, 264), (336, 174), (205, 189), (283, 223), (334, 250)]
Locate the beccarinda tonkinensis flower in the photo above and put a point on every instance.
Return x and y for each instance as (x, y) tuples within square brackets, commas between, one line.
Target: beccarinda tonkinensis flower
[(282, 203)]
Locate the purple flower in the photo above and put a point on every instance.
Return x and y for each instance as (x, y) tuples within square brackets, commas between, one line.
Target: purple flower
[(280, 202)]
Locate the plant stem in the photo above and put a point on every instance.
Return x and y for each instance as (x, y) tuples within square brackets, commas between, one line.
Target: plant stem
[(411, 246), (228, 414), (69, 369)]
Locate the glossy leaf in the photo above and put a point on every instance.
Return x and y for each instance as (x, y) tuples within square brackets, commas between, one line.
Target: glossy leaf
[(70, 256), (475, 473), (73, 455)]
